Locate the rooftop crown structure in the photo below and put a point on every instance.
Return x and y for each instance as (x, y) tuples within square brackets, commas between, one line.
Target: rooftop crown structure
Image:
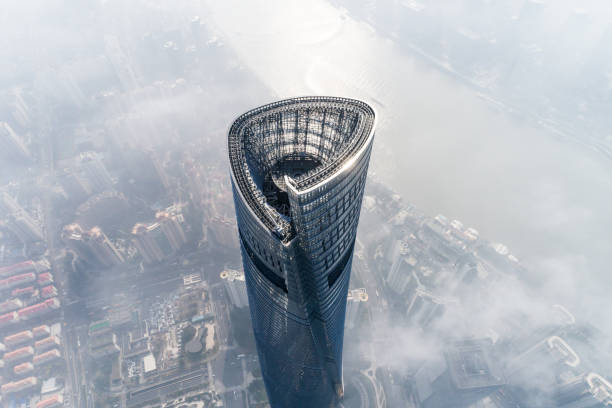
[(298, 170)]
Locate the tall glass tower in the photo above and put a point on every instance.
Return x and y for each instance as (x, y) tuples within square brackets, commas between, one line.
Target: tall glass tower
[(298, 169)]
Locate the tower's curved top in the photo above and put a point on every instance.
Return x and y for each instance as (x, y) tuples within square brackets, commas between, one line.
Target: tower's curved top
[(295, 144)]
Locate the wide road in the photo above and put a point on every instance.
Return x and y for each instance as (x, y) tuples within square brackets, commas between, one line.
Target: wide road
[(51, 224)]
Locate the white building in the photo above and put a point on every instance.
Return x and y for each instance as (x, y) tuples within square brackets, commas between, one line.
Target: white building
[(400, 273), (12, 144), (95, 171), (149, 364), (235, 287), (354, 300)]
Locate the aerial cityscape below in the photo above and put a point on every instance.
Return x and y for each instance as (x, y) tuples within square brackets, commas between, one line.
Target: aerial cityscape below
[(475, 228)]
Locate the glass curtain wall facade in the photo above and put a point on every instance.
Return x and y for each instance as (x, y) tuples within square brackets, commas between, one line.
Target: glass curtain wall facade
[(298, 170)]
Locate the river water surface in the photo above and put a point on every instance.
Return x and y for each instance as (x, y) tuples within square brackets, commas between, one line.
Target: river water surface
[(438, 143)]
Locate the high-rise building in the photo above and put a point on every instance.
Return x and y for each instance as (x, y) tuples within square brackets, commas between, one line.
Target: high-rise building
[(123, 65), (298, 170), (15, 106), (24, 227), (75, 238), (587, 391), (401, 273), (423, 307), (95, 172), (552, 351), (171, 226), (18, 220), (157, 240), (145, 171), (235, 287), (222, 232), (151, 242), (542, 366), (160, 170), (353, 305), (93, 246), (104, 249), (467, 374), (74, 184), (11, 144), (8, 204)]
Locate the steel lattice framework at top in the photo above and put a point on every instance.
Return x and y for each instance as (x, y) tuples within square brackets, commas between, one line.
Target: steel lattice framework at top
[(330, 129), (298, 170)]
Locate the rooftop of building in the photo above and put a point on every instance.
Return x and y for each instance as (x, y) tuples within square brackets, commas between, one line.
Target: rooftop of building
[(149, 363), (296, 143), (470, 365), (232, 274), (600, 388), (357, 295)]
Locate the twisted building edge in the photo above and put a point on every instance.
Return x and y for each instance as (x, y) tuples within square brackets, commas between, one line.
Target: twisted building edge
[(298, 170)]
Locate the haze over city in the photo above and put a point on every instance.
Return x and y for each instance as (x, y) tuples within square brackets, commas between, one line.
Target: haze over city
[(484, 233)]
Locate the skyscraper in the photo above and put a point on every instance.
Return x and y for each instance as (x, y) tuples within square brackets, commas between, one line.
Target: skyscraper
[(235, 287), (104, 249), (8, 204), (298, 170), (12, 144), (222, 232), (354, 300), (95, 171), (589, 390), (18, 220), (467, 374), (25, 227), (152, 242), (74, 184), (93, 246), (159, 239), (171, 227)]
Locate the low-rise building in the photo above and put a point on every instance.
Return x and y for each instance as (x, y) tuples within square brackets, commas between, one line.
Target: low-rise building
[(39, 309), (19, 354), (55, 401), (18, 338), (28, 292), (149, 364), (10, 305), (41, 331), (49, 387), (8, 318), (116, 381), (48, 292), (19, 268), (99, 327), (45, 278), (17, 280), (23, 368), (103, 345), (46, 357), (18, 386), (47, 344)]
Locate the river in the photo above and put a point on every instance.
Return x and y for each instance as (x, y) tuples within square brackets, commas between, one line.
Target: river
[(440, 145)]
